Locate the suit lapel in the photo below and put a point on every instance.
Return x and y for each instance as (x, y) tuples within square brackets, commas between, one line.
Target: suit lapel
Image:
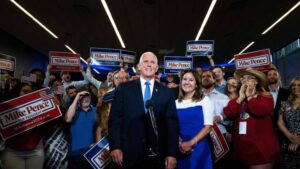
[(278, 98), (155, 91), (139, 96), (155, 96)]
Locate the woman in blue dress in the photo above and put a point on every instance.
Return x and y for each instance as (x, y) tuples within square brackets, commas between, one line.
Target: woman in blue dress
[(195, 114)]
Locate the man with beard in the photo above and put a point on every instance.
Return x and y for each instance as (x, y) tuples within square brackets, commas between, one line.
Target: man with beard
[(279, 94), (82, 119), (71, 92), (219, 101)]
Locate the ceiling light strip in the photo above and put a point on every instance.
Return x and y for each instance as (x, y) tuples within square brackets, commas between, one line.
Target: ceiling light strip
[(248, 46), (211, 7), (83, 60), (231, 60), (113, 22), (70, 49), (281, 18), (34, 19), (96, 71)]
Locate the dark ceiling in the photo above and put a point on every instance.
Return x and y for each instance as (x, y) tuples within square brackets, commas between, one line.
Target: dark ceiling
[(161, 26)]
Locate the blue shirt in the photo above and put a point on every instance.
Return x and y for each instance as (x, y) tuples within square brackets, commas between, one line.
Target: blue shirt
[(221, 87), (82, 131)]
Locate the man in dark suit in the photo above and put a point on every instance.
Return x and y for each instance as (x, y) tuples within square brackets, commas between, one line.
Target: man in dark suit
[(279, 93), (131, 136)]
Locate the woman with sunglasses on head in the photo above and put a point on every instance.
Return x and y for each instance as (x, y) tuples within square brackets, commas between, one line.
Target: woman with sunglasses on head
[(195, 116), (254, 140)]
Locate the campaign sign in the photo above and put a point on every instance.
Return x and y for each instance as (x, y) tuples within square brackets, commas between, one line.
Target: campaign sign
[(98, 156), (219, 143), (64, 61), (174, 64), (199, 48), (128, 57), (26, 112), (260, 60), (105, 57), (7, 64)]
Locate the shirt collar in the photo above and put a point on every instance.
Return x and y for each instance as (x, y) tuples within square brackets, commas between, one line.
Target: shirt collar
[(223, 83), (274, 90), (143, 81), (214, 91)]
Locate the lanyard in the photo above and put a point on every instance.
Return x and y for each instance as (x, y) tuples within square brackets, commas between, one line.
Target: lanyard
[(244, 112)]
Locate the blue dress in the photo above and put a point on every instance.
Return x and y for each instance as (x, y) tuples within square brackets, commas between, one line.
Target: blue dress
[(191, 121)]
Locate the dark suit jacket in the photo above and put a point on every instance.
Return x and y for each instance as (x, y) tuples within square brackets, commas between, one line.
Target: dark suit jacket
[(283, 95), (127, 122)]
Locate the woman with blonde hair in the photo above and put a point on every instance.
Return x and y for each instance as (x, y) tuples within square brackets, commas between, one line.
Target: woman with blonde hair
[(103, 108), (289, 124)]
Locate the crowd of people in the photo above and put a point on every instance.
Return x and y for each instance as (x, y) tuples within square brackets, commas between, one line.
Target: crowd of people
[(161, 124)]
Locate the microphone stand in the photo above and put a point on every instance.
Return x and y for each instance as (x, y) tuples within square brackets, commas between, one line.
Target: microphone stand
[(153, 122), (154, 126)]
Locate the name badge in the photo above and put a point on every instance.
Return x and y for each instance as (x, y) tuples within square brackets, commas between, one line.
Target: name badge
[(243, 127)]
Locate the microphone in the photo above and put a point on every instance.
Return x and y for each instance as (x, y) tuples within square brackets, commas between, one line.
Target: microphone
[(149, 106)]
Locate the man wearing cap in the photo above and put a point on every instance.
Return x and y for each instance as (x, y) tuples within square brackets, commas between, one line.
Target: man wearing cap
[(131, 137), (254, 140), (82, 119)]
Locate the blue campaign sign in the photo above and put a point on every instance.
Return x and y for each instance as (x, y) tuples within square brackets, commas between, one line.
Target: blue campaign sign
[(105, 57), (174, 64), (199, 48), (128, 57), (98, 156)]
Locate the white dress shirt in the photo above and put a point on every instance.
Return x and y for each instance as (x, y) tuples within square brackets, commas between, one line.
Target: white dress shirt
[(219, 101), (274, 94)]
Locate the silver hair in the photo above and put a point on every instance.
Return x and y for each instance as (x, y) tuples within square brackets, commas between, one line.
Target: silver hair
[(142, 57)]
